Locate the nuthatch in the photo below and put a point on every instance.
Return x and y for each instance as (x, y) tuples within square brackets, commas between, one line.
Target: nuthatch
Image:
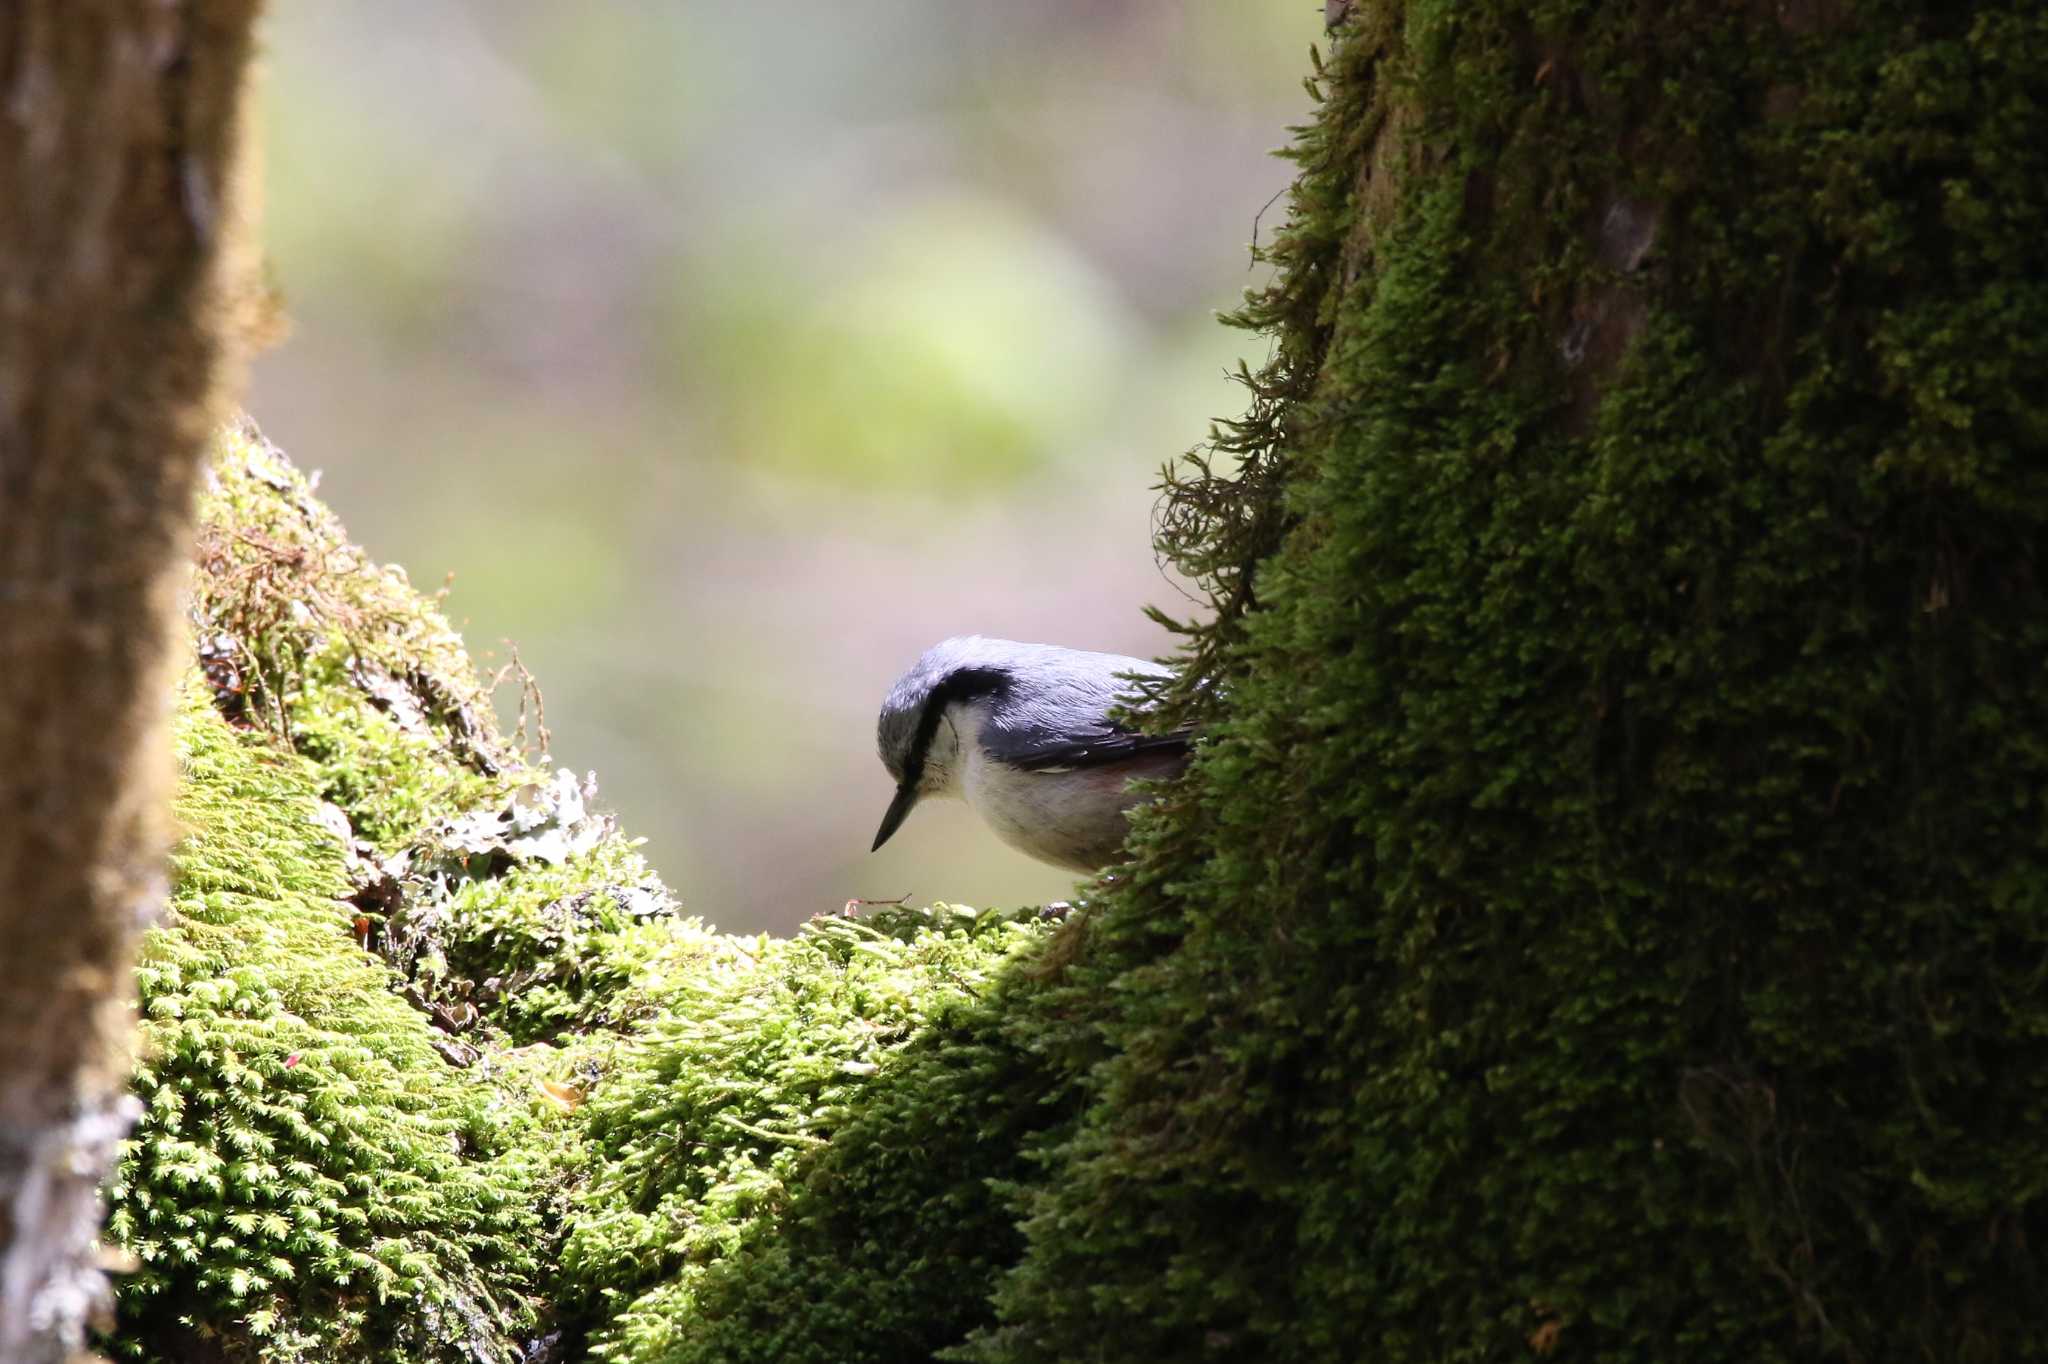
[(1023, 732)]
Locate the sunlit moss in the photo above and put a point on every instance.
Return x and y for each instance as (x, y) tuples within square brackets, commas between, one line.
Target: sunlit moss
[(801, 1159), (392, 781), (309, 1179), (417, 1002), (566, 941), (281, 593)]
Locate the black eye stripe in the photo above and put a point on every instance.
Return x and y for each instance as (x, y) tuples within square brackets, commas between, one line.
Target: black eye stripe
[(962, 685)]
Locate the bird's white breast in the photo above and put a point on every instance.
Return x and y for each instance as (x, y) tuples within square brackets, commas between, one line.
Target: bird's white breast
[(1073, 818)]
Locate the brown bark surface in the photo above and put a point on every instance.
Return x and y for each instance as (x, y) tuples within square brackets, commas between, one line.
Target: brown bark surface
[(126, 290)]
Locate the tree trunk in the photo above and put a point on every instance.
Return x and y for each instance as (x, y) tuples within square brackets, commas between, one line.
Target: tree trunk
[(1609, 914), (126, 289)]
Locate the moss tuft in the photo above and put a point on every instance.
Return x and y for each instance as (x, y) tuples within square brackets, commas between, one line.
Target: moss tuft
[(309, 1179), (340, 1159), (800, 1159)]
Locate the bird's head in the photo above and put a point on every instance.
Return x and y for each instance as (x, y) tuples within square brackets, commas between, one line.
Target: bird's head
[(916, 734)]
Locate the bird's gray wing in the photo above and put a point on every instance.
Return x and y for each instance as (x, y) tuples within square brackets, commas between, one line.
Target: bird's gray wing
[(1034, 749)]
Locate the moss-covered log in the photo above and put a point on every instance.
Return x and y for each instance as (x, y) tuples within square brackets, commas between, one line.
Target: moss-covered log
[(125, 290), (434, 1070), (1608, 920)]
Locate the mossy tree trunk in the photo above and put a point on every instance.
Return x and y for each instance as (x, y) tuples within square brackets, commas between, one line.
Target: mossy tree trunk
[(1610, 918), (125, 293)]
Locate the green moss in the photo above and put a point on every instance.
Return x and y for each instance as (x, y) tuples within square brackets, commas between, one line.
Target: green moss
[(392, 781), (402, 958), (1605, 919), (305, 637), (566, 942), (323, 1170), (798, 1161), (309, 1180)]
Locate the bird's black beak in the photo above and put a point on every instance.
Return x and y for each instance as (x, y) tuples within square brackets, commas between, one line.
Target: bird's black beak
[(899, 808)]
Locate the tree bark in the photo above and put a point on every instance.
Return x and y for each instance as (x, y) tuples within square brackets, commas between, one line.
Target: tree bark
[(127, 291)]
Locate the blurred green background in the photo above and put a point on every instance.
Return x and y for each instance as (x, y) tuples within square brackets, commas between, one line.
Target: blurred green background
[(727, 355)]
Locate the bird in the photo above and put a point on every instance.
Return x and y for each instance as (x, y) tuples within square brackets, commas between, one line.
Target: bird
[(1023, 733)]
